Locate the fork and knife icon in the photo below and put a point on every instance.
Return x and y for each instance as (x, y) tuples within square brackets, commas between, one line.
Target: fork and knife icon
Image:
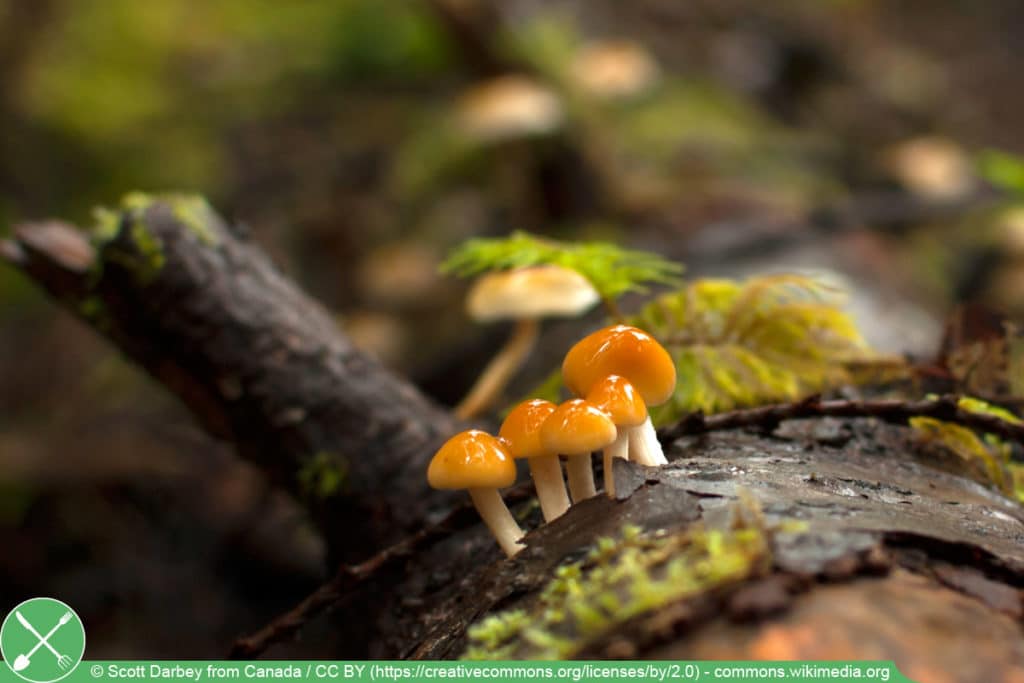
[(22, 661)]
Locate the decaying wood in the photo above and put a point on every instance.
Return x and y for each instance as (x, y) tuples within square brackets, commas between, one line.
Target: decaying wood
[(256, 360), (881, 512), (349, 578), (898, 552)]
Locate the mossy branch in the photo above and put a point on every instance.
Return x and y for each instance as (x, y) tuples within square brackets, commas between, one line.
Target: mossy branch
[(945, 408), (257, 361)]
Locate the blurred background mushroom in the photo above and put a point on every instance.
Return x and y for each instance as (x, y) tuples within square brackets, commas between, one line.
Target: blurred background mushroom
[(509, 107), (614, 69), (524, 295)]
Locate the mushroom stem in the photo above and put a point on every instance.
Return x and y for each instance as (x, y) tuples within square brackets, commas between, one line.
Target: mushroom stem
[(612, 308), (644, 447), (547, 479), (498, 519), (581, 477), (499, 371), (618, 449)]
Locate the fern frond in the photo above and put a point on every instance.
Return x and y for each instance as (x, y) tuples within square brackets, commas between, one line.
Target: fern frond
[(976, 405), (987, 450), (964, 443), (771, 338), (1017, 480), (612, 270), (1002, 169)]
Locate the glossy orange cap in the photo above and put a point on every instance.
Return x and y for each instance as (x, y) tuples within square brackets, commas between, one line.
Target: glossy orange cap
[(577, 426), (521, 429), (621, 350), (617, 397), (470, 460)]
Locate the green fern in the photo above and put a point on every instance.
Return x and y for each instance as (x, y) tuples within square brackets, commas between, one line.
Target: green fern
[(987, 450), (768, 339), (612, 270), (1002, 169)]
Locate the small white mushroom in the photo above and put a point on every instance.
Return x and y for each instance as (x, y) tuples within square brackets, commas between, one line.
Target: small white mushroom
[(614, 69), (525, 295), (508, 107)]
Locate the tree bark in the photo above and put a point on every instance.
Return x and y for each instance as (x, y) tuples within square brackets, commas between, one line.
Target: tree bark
[(875, 545), (879, 547)]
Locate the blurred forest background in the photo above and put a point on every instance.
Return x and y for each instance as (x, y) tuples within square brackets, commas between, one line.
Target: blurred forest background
[(352, 138)]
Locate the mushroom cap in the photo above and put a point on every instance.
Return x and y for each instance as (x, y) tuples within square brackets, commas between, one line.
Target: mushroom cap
[(620, 400), (530, 293), (472, 459), (509, 107), (521, 429), (577, 426), (614, 69), (625, 351)]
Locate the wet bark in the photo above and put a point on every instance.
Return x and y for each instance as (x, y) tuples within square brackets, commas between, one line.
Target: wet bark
[(878, 546)]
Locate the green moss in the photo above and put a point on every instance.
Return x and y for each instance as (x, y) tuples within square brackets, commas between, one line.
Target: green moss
[(323, 475), (197, 214), (620, 578), (15, 501), (92, 309), (792, 526), (145, 257), (498, 629), (990, 455), (106, 223), (149, 258), (1017, 476), (192, 210)]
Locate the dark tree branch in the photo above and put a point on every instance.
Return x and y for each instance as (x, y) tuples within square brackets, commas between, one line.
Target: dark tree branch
[(256, 360), (892, 411), (350, 577), (474, 28)]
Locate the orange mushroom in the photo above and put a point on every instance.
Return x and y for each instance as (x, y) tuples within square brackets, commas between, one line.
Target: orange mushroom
[(477, 461), (576, 429), (620, 400), (635, 355), (521, 431)]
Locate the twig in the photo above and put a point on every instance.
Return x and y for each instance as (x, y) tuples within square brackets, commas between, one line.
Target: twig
[(893, 411), (350, 577)]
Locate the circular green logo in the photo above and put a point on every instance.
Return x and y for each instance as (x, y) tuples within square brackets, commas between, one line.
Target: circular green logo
[(42, 640)]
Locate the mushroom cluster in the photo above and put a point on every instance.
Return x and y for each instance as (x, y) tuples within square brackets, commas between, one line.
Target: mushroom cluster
[(616, 373)]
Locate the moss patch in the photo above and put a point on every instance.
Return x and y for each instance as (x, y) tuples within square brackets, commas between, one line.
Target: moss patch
[(192, 210), (145, 257), (323, 475), (93, 309), (149, 248), (619, 579)]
